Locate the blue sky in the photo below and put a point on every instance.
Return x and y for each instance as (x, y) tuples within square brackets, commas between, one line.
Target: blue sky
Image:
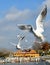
[(13, 12)]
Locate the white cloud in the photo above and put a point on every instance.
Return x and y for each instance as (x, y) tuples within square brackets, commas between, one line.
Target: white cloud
[(20, 15), (14, 15), (8, 28), (17, 15)]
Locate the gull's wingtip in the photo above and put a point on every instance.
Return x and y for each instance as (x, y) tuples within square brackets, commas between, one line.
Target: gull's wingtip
[(44, 11), (45, 6)]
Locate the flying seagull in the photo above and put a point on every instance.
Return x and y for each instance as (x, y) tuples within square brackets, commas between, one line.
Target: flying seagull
[(19, 42), (39, 25), (18, 45)]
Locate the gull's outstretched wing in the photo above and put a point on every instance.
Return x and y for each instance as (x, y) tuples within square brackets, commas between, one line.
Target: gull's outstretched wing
[(40, 18), (13, 44), (20, 37), (25, 27)]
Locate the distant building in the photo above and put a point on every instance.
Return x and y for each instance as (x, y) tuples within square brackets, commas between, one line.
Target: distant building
[(26, 53)]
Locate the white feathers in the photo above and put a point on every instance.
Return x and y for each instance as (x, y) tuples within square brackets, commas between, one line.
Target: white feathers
[(18, 46), (39, 25), (39, 20)]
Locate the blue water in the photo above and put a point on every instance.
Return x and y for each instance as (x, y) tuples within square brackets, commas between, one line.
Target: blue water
[(29, 63)]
